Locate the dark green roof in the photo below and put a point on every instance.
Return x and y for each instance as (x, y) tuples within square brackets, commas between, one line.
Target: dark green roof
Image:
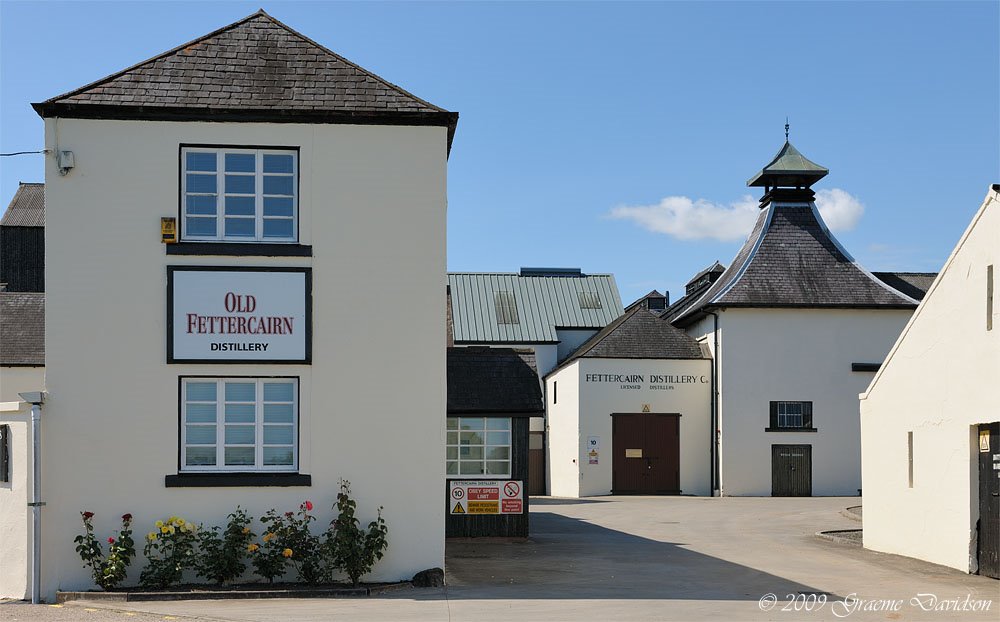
[(789, 168)]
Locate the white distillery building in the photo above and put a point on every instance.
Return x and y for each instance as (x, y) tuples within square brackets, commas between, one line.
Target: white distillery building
[(929, 421), (629, 412), (552, 311), (795, 327), (244, 364)]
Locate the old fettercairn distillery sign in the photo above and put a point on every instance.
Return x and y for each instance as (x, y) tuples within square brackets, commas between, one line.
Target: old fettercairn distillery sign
[(655, 382), (224, 315)]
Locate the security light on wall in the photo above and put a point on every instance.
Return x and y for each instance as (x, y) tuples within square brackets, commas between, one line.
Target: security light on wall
[(66, 161)]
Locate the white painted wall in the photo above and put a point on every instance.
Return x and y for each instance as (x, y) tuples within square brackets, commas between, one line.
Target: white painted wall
[(562, 410), (14, 380), (569, 341), (799, 355), (372, 205), (15, 525), (940, 382), (587, 412)]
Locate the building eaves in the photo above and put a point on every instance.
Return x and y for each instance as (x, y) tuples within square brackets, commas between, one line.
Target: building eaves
[(254, 70), (791, 260), (493, 381), (27, 208), (22, 329), (638, 334)]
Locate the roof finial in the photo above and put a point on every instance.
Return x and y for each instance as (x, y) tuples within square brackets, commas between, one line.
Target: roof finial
[(786, 129)]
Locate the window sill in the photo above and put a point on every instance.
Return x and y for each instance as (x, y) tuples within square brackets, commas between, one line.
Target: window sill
[(790, 430), (202, 480), (239, 249)]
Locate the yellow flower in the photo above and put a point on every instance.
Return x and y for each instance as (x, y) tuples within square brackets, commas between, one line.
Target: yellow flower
[(252, 548), (246, 530), (159, 524), (170, 529), (268, 536), (165, 529), (179, 522), (151, 536), (286, 553)]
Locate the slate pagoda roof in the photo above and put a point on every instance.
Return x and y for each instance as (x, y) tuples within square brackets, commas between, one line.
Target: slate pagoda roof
[(256, 69)]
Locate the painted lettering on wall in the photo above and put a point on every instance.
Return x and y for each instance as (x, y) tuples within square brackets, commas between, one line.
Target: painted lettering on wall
[(239, 314), (655, 382)]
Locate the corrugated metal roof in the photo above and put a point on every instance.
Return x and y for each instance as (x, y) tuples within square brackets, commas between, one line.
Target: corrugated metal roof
[(542, 305), (27, 208)]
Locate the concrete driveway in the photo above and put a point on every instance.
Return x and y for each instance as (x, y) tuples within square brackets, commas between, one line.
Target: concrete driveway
[(658, 558)]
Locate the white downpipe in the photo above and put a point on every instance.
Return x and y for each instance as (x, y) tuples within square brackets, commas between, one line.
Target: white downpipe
[(36, 505)]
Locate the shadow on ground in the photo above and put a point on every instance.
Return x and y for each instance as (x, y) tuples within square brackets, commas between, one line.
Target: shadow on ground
[(570, 558)]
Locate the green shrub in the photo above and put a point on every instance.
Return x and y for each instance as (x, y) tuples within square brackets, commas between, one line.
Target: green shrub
[(222, 553), (350, 548), (108, 571), (169, 552)]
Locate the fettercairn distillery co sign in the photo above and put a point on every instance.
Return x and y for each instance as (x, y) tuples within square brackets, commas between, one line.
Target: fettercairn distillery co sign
[(228, 315)]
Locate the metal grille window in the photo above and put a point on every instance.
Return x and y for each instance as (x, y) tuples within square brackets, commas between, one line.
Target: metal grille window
[(239, 195), (506, 307), (239, 424), (4, 453), (589, 300), (791, 415), (478, 446)]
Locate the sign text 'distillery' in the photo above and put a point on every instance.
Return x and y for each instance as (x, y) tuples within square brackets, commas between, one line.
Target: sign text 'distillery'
[(227, 315)]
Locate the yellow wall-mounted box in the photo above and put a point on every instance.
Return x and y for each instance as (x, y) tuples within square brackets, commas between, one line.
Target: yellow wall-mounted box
[(168, 230)]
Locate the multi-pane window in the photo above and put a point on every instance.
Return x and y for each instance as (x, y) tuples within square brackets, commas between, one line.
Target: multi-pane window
[(239, 195), (478, 446), (239, 424), (791, 415)]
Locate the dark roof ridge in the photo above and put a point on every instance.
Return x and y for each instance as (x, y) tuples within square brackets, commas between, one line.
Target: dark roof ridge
[(214, 33)]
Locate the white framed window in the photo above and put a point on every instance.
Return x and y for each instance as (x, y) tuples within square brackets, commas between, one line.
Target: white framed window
[(478, 446), (787, 415), (239, 424), (230, 194)]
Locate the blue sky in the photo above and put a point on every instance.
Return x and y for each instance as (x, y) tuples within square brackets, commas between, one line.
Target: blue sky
[(618, 137)]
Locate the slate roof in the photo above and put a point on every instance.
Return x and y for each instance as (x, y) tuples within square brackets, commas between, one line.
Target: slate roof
[(22, 329), (639, 334), (539, 304), (913, 284), (789, 168), (256, 69), (27, 208), (792, 260), (493, 381)]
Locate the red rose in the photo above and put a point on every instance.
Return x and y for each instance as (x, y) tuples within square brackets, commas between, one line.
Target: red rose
[(309, 506), (111, 540), (88, 515), (127, 518)]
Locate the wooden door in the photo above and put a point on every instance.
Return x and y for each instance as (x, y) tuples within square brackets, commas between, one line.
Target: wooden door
[(989, 500), (645, 454), (536, 463), (791, 470)]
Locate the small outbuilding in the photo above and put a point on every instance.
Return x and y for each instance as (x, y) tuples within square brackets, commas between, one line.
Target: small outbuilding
[(930, 426), (492, 395), (630, 412)]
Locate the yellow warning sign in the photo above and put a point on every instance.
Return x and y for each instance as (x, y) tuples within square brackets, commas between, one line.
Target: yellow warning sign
[(458, 509), (645, 408), (484, 507)]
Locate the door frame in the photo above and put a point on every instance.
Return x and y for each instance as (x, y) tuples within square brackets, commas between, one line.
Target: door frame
[(614, 458)]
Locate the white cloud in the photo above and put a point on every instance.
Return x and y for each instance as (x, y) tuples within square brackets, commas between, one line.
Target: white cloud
[(840, 210), (697, 219)]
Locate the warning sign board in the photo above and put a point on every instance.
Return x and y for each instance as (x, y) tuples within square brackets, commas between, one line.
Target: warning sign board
[(486, 497)]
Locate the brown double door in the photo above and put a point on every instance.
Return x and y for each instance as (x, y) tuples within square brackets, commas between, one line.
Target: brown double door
[(645, 454), (791, 470)]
